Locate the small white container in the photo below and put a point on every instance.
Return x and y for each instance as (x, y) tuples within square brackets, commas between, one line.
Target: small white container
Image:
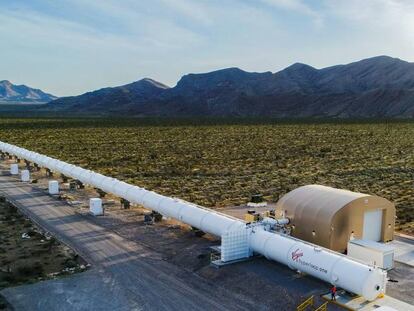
[(25, 175), (14, 169), (95, 207), (373, 253), (53, 187)]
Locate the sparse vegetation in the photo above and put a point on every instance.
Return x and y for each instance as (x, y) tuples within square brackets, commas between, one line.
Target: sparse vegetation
[(222, 162), (26, 254)]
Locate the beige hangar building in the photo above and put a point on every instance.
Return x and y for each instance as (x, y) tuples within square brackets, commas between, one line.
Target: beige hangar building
[(330, 217)]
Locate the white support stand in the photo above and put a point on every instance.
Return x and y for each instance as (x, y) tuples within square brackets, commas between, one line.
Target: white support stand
[(95, 207), (25, 175), (14, 169), (53, 187), (234, 247)]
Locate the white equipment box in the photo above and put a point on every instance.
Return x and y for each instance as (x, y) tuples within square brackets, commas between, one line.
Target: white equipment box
[(53, 187), (95, 207), (14, 169), (25, 175), (373, 253)]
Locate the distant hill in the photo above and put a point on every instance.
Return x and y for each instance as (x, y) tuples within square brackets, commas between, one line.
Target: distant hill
[(12, 94), (378, 87), (122, 99)]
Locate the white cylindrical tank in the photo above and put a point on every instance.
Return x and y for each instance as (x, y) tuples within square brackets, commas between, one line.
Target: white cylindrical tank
[(95, 207), (321, 263), (14, 169), (25, 175), (53, 187)]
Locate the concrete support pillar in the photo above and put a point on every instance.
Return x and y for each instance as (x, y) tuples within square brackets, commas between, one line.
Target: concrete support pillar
[(156, 216), (72, 185), (125, 203), (27, 164), (80, 184), (101, 193), (64, 178)]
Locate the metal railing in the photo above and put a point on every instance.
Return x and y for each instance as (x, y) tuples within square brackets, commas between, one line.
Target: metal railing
[(307, 303), (323, 307)]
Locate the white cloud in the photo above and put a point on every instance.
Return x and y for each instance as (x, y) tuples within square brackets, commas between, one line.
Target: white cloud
[(194, 10), (297, 6), (97, 43), (386, 22)]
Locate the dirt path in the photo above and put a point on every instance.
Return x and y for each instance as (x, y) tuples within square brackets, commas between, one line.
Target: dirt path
[(125, 275)]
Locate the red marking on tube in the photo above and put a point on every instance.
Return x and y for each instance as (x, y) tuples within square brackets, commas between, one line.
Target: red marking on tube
[(296, 255)]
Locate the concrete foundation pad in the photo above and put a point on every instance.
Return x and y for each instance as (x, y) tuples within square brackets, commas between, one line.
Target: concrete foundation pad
[(403, 250), (358, 303)]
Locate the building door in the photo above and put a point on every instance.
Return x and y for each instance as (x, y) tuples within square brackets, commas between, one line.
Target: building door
[(372, 225)]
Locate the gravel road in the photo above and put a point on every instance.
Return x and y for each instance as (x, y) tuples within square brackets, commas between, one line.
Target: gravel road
[(125, 275)]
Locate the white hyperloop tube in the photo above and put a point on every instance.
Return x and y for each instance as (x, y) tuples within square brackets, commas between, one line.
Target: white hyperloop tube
[(321, 263)]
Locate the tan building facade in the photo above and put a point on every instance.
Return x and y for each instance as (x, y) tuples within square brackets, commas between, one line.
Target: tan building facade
[(329, 217)]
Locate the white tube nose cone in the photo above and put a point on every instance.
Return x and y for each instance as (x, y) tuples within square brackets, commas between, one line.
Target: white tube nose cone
[(373, 286)]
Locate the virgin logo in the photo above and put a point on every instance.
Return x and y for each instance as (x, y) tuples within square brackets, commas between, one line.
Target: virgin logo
[(296, 255)]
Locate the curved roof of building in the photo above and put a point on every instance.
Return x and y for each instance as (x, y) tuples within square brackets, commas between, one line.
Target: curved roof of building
[(319, 201)]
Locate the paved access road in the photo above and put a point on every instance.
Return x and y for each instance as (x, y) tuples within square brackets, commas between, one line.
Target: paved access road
[(124, 274)]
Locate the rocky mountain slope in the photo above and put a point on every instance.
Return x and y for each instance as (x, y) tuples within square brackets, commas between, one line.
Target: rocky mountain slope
[(122, 99), (379, 87), (22, 94)]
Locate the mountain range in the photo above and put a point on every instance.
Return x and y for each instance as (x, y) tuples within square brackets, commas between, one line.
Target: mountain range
[(10, 93), (378, 87)]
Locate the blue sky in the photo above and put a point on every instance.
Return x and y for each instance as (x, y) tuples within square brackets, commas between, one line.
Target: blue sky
[(68, 47)]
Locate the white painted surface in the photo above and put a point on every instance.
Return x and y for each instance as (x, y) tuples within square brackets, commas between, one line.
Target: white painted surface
[(373, 253), (372, 225), (14, 169), (235, 244), (25, 175), (95, 207), (321, 263), (53, 187)]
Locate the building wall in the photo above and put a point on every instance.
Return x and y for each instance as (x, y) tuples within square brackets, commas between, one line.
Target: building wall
[(350, 220), (327, 223)]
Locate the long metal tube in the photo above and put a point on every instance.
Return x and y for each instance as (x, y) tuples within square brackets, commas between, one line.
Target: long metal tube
[(321, 263)]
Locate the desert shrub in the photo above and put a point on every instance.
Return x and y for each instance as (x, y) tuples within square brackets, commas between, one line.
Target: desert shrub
[(222, 162), (30, 270)]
